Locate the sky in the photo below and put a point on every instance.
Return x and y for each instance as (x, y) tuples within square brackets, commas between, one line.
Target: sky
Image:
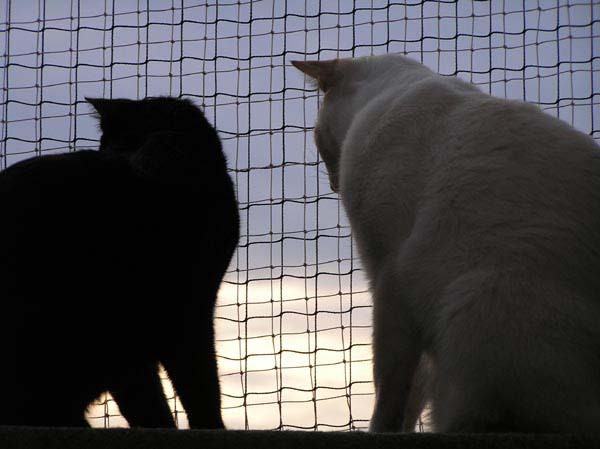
[(293, 322)]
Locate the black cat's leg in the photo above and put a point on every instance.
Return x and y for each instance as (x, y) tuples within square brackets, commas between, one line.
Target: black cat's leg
[(192, 367), (141, 399)]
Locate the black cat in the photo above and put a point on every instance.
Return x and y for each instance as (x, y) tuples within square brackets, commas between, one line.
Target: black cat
[(110, 262)]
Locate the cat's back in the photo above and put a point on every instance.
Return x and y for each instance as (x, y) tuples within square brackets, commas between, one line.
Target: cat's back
[(59, 169), (509, 155), (483, 179), (55, 209), (487, 125), (511, 186), (66, 183), (56, 183)]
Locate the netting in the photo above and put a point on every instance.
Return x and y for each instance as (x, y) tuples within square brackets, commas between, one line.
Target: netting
[(293, 322)]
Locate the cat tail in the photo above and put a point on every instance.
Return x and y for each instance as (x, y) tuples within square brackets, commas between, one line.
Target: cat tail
[(420, 393)]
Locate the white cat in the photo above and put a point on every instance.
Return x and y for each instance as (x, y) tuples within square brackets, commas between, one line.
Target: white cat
[(478, 222)]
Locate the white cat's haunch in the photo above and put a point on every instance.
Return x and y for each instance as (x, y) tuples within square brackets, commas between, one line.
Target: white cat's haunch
[(478, 223)]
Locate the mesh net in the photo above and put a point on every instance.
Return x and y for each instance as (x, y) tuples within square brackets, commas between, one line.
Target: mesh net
[(293, 322)]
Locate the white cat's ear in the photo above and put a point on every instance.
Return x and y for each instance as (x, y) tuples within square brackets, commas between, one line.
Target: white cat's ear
[(324, 72)]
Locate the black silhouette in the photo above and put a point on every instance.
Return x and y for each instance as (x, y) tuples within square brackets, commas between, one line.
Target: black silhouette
[(110, 263)]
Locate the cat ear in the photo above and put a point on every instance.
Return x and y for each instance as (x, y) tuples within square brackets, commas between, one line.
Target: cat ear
[(324, 72), (101, 105)]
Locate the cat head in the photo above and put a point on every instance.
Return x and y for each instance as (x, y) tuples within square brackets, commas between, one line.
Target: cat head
[(126, 124), (348, 85)]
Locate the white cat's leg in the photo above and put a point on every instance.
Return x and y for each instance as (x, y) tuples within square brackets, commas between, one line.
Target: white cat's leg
[(536, 399), (420, 392), (396, 354), (471, 354), (516, 354)]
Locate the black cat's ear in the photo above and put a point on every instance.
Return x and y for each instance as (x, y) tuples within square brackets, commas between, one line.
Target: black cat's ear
[(101, 105), (325, 73)]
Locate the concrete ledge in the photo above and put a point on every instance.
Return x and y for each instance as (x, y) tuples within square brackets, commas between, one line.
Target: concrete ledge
[(62, 438)]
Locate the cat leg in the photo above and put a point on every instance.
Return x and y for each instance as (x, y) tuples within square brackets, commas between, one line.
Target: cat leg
[(141, 399), (477, 348), (192, 368), (516, 353), (419, 394), (396, 355)]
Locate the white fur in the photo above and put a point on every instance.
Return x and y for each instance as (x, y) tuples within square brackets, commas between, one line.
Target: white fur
[(478, 222)]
